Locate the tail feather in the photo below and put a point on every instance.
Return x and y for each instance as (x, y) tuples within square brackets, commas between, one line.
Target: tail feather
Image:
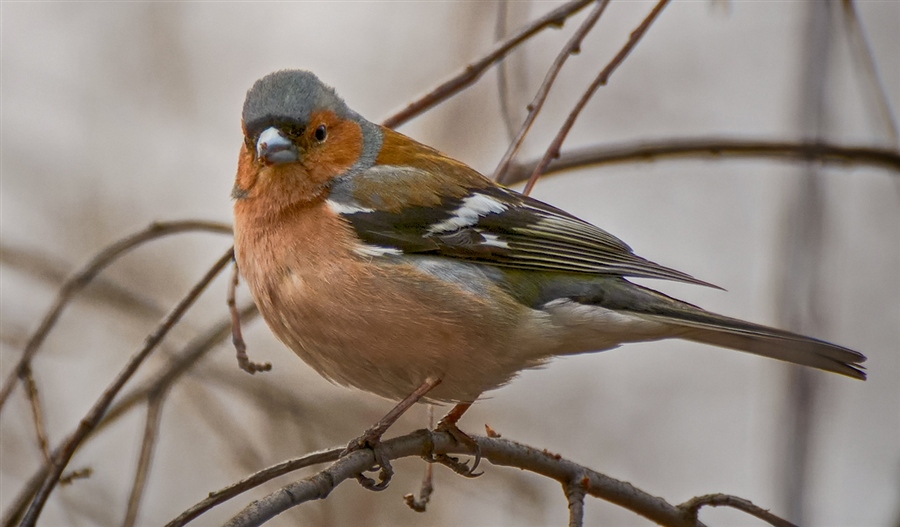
[(677, 319), (699, 325)]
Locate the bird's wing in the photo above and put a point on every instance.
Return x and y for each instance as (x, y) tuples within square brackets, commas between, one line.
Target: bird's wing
[(457, 213)]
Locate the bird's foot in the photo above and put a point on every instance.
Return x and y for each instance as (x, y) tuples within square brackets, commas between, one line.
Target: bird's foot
[(371, 440), (448, 425)]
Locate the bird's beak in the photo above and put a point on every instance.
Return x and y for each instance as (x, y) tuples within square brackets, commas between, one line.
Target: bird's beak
[(274, 148)]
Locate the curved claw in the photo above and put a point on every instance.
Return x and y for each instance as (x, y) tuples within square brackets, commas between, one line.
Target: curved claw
[(387, 471), (462, 438), (475, 463), (454, 464), (384, 477), (371, 438)]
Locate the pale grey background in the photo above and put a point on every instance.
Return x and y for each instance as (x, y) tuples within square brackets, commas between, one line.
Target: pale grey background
[(118, 114)]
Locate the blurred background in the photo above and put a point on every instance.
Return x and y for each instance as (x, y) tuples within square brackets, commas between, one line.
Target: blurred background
[(115, 115)]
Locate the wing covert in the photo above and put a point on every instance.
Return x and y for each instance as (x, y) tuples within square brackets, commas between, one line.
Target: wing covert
[(485, 223)]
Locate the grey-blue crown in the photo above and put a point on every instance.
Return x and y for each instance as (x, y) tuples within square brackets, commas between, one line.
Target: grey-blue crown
[(289, 96)]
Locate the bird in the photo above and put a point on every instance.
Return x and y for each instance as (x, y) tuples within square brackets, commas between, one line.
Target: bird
[(393, 268)]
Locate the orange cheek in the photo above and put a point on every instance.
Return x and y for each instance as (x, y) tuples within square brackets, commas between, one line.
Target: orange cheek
[(246, 173), (340, 151)]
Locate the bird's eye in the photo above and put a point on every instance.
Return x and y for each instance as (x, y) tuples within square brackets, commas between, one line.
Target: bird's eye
[(321, 133)]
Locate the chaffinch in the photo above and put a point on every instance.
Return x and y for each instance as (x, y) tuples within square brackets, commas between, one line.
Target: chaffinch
[(384, 263)]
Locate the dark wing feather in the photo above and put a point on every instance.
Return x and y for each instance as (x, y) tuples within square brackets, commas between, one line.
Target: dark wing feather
[(501, 227)]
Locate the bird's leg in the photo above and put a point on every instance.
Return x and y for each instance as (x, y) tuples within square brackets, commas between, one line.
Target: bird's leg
[(448, 424), (375, 432), (371, 438)]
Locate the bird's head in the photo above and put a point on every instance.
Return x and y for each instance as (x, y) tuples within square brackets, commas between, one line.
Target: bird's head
[(299, 136)]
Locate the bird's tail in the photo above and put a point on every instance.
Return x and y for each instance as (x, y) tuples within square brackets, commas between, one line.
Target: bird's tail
[(699, 325)]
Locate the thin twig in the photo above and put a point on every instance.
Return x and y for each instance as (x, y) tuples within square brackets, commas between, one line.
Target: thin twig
[(64, 453), (802, 302), (503, 70), (37, 414), (54, 272), (148, 445), (572, 47), (692, 508), (237, 338), (474, 71), (501, 452), (575, 491), (86, 274), (17, 506), (601, 80), (420, 504), (709, 147), (22, 370), (75, 475), (864, 59), (185, 359), (263, 476)]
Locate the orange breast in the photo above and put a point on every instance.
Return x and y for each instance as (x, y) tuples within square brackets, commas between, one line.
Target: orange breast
[(382, 327)]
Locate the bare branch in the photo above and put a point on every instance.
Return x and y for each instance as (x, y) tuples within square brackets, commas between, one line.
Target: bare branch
[(63, 454), (54, 273), (184, 361), (420, 504), (255, 480), (86, 274), (572, 47), (75, 475), (193, 352), (237, 338), (863, 59), (575, 496), (692, 508), (502, 70), (148, 445), (800, 304), (601, 80), (501, 452), (17, 506), (474, 71), (37, 414), (710, 147)]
